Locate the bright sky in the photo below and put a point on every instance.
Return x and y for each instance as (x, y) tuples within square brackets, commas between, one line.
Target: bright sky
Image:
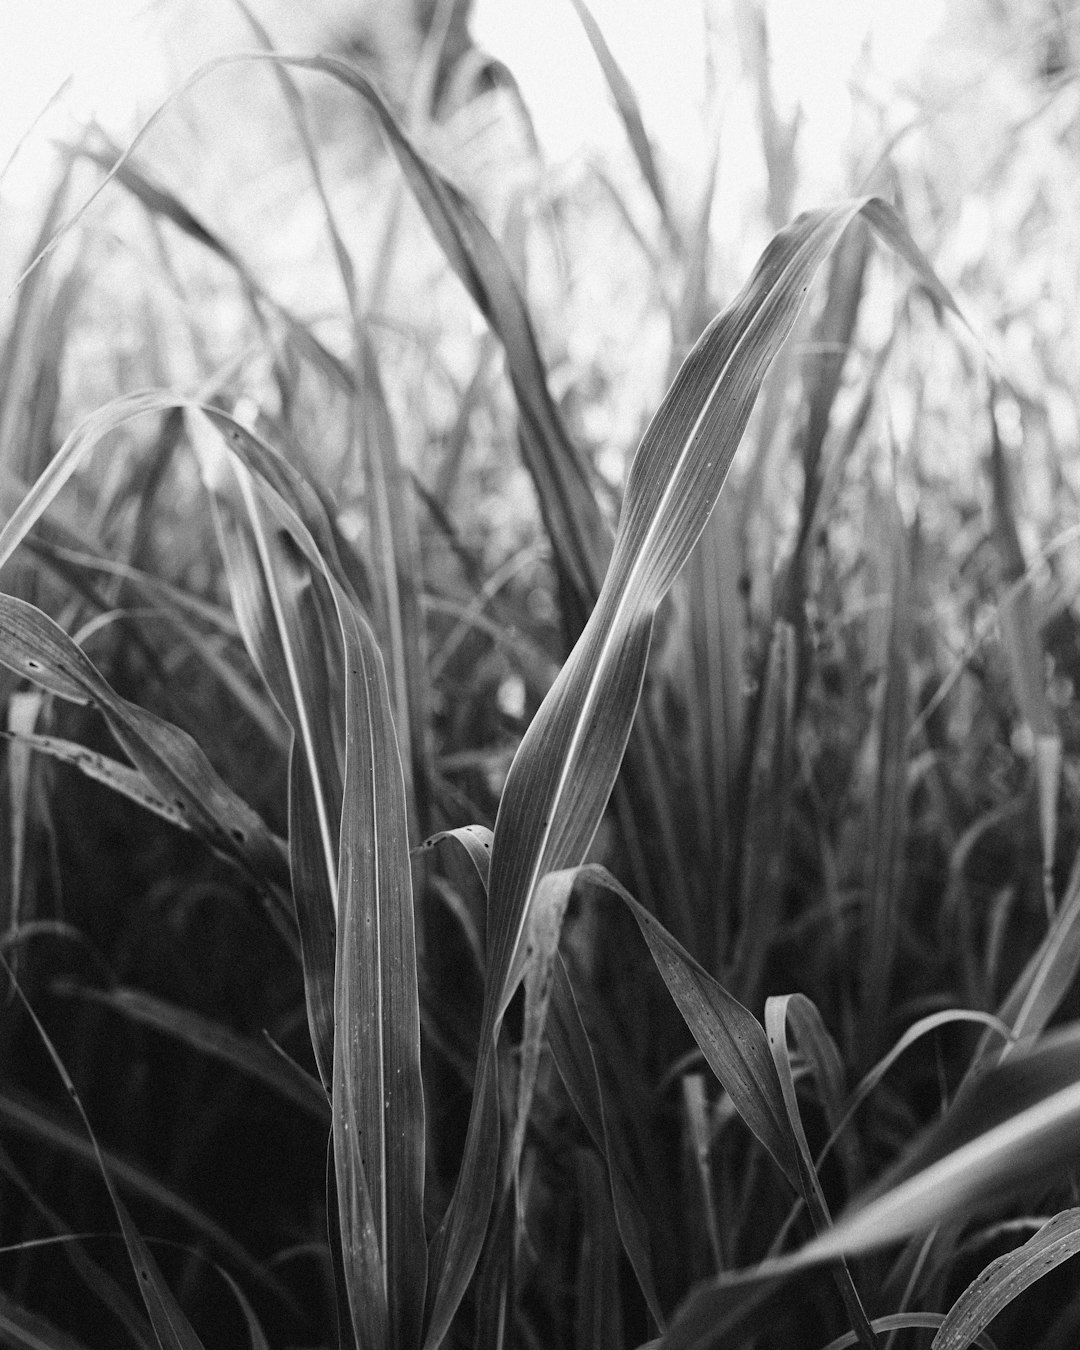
[(104, 46), (659, 43), (100, 44)]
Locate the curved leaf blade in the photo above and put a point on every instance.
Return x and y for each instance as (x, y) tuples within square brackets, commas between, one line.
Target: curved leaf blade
[(565, 768), (33, 645), (1006, 1278)]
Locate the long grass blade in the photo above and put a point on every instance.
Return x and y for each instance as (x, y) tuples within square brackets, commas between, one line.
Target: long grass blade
[(378, 1108), (172, 1327), (1019, 1120), (212, 1038), (107, 1290), (622, 91), (1026, 654), (112, 773), (563, 773), (22, 1329), (281, 608), (887, 825), (389, 504), (32, 1119), (768, 806), (598, 1323), (807, 1020), (1018, 1123), (291, 546), (906, 1321), (1050, 971)]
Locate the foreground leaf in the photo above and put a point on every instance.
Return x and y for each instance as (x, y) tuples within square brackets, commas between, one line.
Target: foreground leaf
[(1006, 1278), (378, 1107), (565, 768)]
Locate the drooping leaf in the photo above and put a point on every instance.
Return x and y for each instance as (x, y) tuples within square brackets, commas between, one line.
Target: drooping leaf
[(287, 620), (475, 840), (565, 768), (122, 778), (1018, 1122), (378, 1110), (286, 550), (212, 1038), (34, 646), (923, 1027)]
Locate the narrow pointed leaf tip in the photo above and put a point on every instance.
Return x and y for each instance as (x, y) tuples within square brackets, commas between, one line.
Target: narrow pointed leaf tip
[(565, 768)]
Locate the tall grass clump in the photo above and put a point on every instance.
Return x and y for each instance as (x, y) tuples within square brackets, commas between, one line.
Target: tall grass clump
[(456, 894)]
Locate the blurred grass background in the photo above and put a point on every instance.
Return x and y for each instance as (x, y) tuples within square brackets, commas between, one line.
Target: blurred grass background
[(858, 767)]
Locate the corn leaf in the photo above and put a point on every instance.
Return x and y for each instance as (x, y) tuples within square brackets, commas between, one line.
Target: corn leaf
[(122, 778), (1016, 1121), (565, 768), (1026, 654), (886, 821), (711, 684), (538, 961), (1008, 1276), (821, 1052), (392, 525), (378, 1108), (905, 1321), (873, 1076), (282, 611), (475, 840), (287, 549), (34, 646)]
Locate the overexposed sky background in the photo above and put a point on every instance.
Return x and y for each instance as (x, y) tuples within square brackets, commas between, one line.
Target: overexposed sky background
[(107, 48)]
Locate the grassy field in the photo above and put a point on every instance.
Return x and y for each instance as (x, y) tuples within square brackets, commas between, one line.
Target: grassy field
[(541, 749)]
